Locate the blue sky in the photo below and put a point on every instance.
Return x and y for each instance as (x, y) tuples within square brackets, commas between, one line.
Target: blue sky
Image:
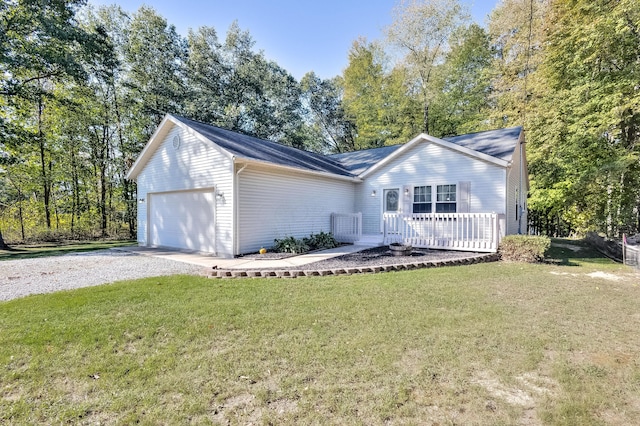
[(300, 35)]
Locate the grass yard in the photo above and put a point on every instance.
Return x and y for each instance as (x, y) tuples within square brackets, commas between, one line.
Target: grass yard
[(494, 343), (56, 249)]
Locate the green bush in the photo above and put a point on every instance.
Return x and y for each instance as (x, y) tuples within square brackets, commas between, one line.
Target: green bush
[(290, 245), (524, 248), (321, 241)]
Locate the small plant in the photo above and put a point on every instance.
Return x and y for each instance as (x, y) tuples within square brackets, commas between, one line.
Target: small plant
[(321, 241), (524, 248), (290, 245)]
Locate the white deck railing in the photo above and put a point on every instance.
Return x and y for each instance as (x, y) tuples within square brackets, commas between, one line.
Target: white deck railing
[(346, 227), (452, 231)]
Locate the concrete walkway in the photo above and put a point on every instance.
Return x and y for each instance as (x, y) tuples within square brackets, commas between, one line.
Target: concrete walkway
[(211, 262)]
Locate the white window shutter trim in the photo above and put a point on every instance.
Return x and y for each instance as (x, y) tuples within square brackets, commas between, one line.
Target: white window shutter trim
[(407, 199), (464, 196)]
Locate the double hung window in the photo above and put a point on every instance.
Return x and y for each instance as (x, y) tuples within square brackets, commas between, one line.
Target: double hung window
[(422, 199), (446, 199)]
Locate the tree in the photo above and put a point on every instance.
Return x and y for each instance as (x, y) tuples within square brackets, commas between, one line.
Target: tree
[(155, 56), (591, 114), (518, 30), (234, 87), (41, 45), (363, 82), (421, 30), (381, 103), (326, 116), (461, 103)]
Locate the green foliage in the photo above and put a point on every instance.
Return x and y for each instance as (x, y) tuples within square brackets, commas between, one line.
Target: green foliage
[(320, 241), (524, 248), (290, 245), (330, 127), (461, 102)]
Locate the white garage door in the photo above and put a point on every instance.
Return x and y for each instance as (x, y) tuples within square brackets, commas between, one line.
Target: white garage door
[(183, 220)]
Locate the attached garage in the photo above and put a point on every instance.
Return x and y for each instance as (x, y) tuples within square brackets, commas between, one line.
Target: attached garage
[(183, 219)]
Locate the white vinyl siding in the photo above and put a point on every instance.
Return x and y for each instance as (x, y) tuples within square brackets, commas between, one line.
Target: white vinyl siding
[(196, 164), (276, 205), (429, 164)]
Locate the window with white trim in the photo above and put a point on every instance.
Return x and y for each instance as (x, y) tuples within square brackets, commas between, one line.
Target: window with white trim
[(446, 199), (422, 199)]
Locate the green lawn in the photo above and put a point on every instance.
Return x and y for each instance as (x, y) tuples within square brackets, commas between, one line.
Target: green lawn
[(493, 343), (56, 249)]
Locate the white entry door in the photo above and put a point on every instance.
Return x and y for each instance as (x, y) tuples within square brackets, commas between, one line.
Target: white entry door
[(184, 220)]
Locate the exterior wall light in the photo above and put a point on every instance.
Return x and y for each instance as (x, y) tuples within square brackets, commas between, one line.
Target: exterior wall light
[(373, 193), (141, 200)]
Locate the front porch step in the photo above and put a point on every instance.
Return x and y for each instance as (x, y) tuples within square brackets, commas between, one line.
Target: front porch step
[(376, 240)]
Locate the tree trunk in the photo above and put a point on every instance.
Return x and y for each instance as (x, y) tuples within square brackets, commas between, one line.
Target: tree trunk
[(425, 117), (46, 185), (128, 188), (3, 246)]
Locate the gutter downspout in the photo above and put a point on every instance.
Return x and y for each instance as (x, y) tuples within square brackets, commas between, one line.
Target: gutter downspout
[(236, 211)]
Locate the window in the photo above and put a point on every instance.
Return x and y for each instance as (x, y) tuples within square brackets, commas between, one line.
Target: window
[(391, 198), (446, 199), (422, 199)]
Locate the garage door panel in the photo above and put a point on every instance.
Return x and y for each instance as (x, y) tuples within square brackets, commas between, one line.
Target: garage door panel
[(183, 220)]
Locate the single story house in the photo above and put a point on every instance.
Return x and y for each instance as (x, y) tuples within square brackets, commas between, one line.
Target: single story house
[(212, 190)]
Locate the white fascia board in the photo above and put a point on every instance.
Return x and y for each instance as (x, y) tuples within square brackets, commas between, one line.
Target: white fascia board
[(156, 138), (248, 161), (146, 151), (424, 137)]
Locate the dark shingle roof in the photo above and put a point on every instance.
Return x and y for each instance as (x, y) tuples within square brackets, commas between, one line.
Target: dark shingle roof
[(252, 148), (496, 143), (359, 161)]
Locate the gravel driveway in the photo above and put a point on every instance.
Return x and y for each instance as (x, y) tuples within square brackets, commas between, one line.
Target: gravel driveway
[(20, 278)]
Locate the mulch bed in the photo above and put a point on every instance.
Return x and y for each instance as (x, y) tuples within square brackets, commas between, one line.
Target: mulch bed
[(381, 256)]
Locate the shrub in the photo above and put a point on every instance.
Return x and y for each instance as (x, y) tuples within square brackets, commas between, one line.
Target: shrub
[(290, 245), (321, 241), (524, 248)]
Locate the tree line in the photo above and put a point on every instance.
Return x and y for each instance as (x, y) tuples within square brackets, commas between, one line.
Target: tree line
[(83, 89)]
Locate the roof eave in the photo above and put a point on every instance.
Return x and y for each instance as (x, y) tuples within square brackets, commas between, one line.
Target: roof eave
[(243, 160)]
